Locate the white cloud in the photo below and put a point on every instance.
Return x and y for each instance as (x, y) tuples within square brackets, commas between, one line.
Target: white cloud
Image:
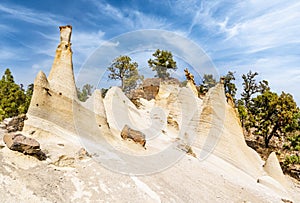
[(259, 35), (5, 54), (9, 54), (86, 42), (4, 29), (271, 29), (129, 18), (43, 65), (30, 16)]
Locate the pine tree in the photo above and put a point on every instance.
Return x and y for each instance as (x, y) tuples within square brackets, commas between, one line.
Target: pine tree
[(209, 81), (85, 92), (123, 69), (12, 97), (162, 62), (250, 89), (229, 86), (273, 115)]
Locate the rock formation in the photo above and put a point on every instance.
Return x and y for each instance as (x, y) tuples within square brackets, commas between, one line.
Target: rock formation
[(222, 169), (191, 82), (61, 76), (230, 100), (150, 87), (272, 167), (53, 96), (220, 133)]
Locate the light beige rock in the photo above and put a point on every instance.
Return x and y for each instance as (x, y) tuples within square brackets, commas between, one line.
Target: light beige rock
[(53, 97), (225, 170), (274, 185), (220, 133), (272, 167), (61, 76)]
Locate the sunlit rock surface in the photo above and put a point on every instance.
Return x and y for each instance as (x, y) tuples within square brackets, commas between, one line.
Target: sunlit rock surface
[(224, 168)]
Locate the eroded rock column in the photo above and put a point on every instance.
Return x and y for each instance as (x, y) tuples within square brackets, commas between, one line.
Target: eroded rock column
[(61, 76)]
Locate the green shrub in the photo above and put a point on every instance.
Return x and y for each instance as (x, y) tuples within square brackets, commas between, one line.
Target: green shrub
[(292, 159), (286, 146), (294, 142)]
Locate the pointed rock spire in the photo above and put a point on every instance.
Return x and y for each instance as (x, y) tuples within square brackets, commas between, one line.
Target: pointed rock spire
[(272, 167), (61, 76), (41, 80)]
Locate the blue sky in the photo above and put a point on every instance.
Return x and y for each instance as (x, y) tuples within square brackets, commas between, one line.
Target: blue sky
[(262, 36)]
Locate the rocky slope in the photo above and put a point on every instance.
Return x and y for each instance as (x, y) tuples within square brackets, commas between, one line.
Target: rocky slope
[(88, 161)]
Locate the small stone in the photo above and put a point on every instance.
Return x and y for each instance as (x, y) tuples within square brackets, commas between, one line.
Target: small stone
[(65, 161), (82, 153), (136, 136)]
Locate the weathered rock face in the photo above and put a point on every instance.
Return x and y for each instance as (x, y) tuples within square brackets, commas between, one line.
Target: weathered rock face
[(61, 76), (272, 167), (64, 161), (219, 143), (220, 127), (230, 100), (21, 143), (191, 82), (135, 96), (151, 87), (136, 136), (53, 96)]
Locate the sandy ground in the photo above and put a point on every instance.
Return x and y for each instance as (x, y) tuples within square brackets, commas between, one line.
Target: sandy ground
[(25, 179)]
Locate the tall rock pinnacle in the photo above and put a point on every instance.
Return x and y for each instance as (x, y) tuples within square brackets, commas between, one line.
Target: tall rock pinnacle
[(61, 75), (53, 97)]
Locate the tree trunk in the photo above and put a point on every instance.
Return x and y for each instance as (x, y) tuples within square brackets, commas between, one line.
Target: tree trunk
[(122, 83), (267, 140)]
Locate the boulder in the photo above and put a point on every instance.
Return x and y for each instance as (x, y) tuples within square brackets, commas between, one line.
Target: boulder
[(6, 121), (135, 135), (150, 87), (21, 143), (15, 123), (135, 96)]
